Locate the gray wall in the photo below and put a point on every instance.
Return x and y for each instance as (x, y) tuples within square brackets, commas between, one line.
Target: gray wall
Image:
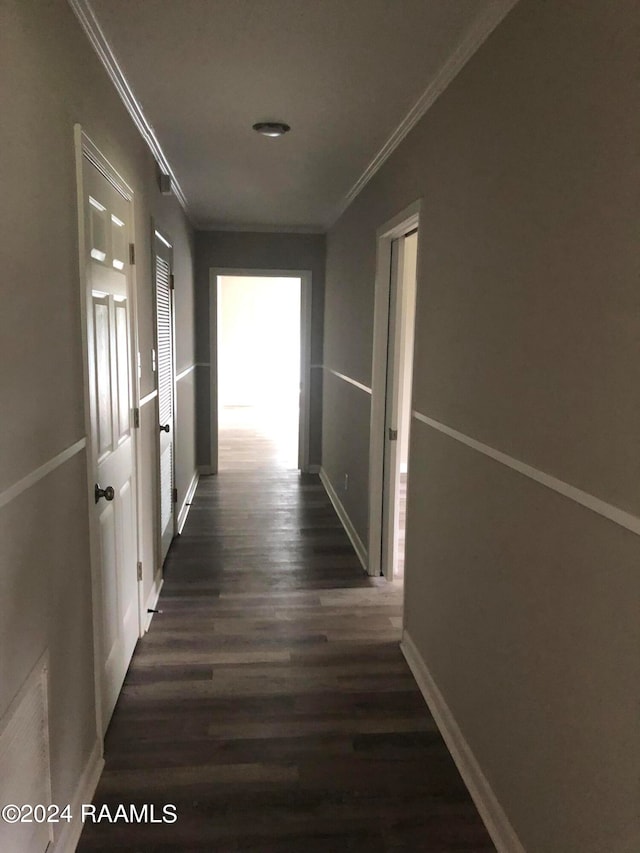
[(256, 250), (521, 602), (51, 79)]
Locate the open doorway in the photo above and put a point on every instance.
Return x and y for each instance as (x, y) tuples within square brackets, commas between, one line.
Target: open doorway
[(402, 300), (260, 397), (394, 322)]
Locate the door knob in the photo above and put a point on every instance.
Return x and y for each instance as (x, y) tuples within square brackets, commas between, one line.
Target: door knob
[(108, 494), (165, 428)]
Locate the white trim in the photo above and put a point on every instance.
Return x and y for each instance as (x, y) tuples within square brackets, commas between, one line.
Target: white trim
[(263, 229), (152, 599), (137, 380), (186, 503), (39, 670), (348, 379), (406, 220), (35, 476), (493, 815), (205, 470), (162, 238), (148, 398), (69, 837), (92, 28), (95, 156), (476, 36), (38, 677), (203, 364), (316, 366), (314, 469), (613, 513), (304, 415), (249, 272), (306, 293), (185, 372), (343, 515)]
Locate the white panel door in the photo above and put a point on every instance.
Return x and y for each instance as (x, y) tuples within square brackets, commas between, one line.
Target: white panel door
[(107, 221), (164, 324)]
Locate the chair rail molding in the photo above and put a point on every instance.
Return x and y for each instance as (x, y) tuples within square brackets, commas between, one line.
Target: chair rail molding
[(597, 505), (348, 379), (34, 477)]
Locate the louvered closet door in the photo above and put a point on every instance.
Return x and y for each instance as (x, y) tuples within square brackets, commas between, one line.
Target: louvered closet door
[(164, 320)]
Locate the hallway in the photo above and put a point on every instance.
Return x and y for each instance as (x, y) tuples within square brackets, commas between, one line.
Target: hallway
[(270, 701)]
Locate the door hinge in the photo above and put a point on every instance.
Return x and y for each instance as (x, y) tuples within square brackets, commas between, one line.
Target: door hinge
[(174, 496), (171, 281), (139, 571), (136, 418), (132, 254), (393, 434)]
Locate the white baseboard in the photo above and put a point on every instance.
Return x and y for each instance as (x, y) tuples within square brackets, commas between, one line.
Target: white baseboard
[(352, 533), (70, 833), (184, 509), (152, 599), (313, 469), (493, 816), (206, 470)]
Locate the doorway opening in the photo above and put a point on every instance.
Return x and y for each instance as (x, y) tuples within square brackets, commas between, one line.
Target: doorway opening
[(402, 300), (395, 307), (261, 385)]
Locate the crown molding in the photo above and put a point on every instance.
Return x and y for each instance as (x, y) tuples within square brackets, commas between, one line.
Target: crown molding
[(262, 229), (476, 36), (96, 36)]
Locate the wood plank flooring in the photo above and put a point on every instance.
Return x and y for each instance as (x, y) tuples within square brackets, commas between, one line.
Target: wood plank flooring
[(270, 701)]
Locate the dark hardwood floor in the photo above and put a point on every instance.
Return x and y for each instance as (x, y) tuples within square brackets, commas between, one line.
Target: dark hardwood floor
[(270, 701)]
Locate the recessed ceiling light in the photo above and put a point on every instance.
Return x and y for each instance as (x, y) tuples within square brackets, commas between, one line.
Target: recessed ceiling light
[(271, 128)]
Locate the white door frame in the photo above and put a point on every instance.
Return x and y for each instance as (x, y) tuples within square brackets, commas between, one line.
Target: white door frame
[(85, 148), (305, 277), (405, 221)]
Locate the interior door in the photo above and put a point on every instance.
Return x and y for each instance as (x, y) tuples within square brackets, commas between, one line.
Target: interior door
[(107, 223), (166, 386)]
